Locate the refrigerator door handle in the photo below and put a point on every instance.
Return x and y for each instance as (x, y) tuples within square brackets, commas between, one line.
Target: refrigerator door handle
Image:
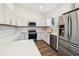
[(70, 28)]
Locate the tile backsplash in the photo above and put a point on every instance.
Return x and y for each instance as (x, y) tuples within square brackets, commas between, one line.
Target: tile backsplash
[(7, 30)]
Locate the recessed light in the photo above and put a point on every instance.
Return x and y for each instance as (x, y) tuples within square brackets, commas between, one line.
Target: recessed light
[(41, 7)]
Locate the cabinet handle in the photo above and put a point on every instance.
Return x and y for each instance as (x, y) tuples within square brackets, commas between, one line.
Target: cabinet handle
[(10, 22)]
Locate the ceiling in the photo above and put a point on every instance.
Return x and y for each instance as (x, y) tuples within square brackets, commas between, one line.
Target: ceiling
[(41, 7)]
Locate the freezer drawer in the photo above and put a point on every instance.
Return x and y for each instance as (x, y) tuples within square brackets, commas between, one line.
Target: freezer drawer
[(63, 52), (69, 46)]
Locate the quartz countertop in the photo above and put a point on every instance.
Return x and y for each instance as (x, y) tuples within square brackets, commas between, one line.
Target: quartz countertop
[(20, 48), (9, 47), (54, 34)]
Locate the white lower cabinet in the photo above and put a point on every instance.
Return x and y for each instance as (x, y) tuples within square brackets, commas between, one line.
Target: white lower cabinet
[(47, 38), (40, 36), (43, 36)]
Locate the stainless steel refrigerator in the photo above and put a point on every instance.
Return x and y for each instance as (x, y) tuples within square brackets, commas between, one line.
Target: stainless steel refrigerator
[(68, 43)]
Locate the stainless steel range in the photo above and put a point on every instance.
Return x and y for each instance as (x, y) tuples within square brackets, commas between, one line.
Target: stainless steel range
[(32, 34)]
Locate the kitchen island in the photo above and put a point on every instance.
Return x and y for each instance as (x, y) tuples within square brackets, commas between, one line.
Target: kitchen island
[(19, 48)]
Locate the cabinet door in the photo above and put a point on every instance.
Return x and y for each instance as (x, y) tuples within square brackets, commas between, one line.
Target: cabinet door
[(40, 36), (1, 13), (61, 20), (24, 22), (7, 15), (14, 19), (78, 27), (43, 36), (53, 41), (47, 38), (66, 17), (19, 21), (42, 22)]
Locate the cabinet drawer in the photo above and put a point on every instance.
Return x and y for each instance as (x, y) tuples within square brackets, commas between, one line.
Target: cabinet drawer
[(63, 52)]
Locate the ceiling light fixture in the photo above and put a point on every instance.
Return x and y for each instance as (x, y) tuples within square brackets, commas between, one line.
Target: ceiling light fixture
[(41, 7)]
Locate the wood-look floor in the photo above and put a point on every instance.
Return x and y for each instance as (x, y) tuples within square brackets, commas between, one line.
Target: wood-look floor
[(45, 49)]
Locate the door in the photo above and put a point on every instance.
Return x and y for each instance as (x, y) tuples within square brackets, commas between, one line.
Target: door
[(53, 41), (66, 18), (78, 29), (73, 28)]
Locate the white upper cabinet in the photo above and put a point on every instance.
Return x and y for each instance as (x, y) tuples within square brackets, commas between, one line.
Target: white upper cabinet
[(19, 21), (7, 15), (1, 13), (14, 19), (41, 22), (10, 17), (23, 22), (61, 20)]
